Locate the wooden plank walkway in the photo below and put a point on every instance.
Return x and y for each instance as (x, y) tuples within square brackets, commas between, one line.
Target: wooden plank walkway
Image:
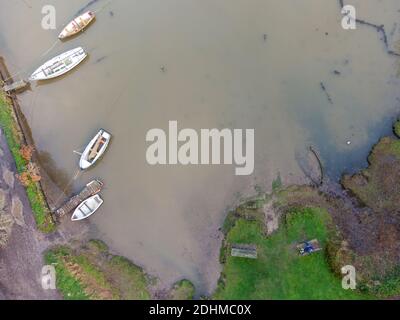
[(92, 188)]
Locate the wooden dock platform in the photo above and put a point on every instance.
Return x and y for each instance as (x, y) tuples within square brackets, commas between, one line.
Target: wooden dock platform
[(15, 86), (92, 188)]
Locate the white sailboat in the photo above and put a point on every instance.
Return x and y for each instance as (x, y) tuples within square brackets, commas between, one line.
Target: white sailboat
[(59, 65)]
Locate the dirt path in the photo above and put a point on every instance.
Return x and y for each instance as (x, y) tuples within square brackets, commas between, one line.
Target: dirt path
[(21, 262)]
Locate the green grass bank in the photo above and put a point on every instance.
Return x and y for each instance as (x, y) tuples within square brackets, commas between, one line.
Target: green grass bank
[(12, 132)]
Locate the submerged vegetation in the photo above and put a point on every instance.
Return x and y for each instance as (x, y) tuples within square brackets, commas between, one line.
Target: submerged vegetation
[(28, 172)]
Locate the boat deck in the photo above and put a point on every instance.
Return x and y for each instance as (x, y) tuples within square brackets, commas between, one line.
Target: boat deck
[(91, 189)]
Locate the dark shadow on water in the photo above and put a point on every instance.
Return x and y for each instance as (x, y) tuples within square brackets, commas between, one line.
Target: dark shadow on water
[(338, 162), (59, 177)]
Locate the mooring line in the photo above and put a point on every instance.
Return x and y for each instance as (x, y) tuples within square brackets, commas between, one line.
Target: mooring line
[(51, 48), (27, 4), (103, 7), (33, 104), (54, 45)]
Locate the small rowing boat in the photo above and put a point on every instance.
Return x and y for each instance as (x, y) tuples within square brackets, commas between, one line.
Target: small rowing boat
[(77, 25), (95, 149), (92, 188), (59, 65), (87, 208)]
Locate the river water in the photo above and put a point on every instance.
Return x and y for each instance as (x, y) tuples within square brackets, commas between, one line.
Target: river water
[(257, 64)]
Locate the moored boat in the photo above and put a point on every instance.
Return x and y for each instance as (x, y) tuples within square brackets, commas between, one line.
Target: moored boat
[(95, 149), (92, 188), (77, 25), (87, 208), (59, 65)]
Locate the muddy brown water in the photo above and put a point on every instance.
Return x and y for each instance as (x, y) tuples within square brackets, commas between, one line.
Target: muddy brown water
[(223, 64)]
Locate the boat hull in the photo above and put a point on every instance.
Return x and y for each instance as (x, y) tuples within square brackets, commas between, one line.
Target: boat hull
[(87, 208), (77, 25), (84, 162), (59, 65)]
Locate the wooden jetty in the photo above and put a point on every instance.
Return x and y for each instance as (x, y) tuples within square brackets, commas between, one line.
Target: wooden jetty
[(91, 189), (15, 86), (244, 251)]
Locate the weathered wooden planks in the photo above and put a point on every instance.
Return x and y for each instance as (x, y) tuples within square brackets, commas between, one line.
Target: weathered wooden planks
[(91, 189)]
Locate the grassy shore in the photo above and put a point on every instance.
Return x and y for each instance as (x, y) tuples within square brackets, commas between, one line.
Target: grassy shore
[(92, 273), (182, 290), (358, 228), (280, 272), (14, 138), (396, 128)]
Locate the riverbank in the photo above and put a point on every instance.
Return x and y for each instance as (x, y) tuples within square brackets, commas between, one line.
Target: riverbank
[(18, 138), (21, 258), (357, 225), (101, 275), (91, 272)]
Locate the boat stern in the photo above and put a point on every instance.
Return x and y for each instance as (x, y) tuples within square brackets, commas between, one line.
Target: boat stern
[(83, 164), (106, 135)]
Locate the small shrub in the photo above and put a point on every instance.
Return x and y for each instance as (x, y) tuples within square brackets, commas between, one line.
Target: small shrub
[(26, 152), (396, 128)]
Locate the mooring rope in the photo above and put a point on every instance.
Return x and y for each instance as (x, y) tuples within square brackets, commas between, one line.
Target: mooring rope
[(104, 6), (33, 105), (54, 45), (27, 4)]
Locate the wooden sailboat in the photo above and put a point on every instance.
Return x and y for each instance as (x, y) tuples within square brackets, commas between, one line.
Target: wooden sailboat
[(77, 25)]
